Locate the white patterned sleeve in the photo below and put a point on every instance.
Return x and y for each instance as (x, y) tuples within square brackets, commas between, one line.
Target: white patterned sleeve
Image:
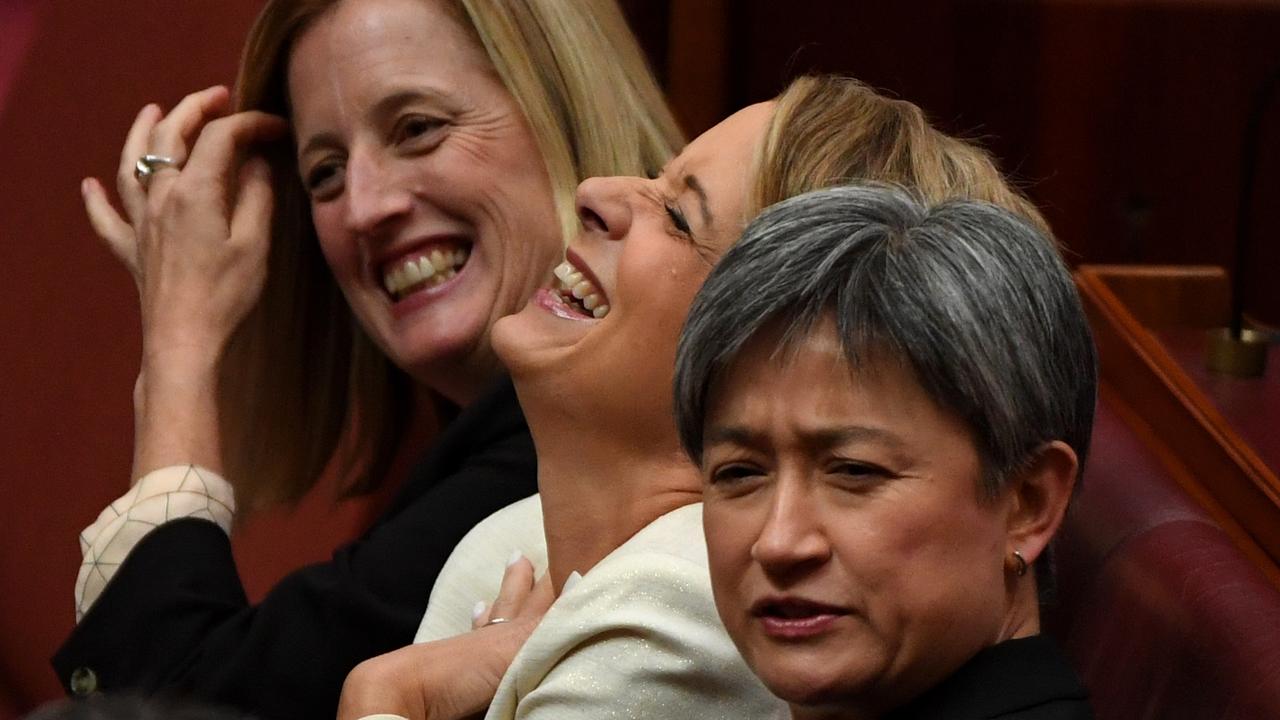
[(170, 493)]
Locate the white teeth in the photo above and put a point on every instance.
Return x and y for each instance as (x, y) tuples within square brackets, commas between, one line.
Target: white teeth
[(437, 266), (574, 286), (411, 273)]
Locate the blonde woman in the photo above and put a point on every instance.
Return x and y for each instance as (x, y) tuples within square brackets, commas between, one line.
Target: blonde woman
[(633, 631), (421, 190)]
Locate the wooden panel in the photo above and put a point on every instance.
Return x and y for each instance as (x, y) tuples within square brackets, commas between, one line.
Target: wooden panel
[(1157, 296), (1206, 455), (1123, 118)]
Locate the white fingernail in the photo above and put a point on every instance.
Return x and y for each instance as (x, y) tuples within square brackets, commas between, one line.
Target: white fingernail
[(515, 558), (570, 581), (477, 611)]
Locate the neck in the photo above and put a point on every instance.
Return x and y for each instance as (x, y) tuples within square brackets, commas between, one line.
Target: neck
[(1023, 617), (599, 489)]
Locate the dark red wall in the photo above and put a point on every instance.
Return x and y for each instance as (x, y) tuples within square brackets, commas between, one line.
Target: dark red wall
[(1123, 117), (69, 319)]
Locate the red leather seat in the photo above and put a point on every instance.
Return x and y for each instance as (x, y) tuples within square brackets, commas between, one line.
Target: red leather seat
[(1162, 614)]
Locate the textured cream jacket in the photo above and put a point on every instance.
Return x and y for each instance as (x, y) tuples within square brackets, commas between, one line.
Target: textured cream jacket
[(636, 637)]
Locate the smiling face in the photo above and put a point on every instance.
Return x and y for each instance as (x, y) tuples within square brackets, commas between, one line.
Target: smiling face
[(646, 248), (852, 560), (428, 193)]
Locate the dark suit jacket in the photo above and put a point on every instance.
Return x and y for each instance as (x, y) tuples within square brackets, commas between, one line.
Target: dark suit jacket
[(1024, 679), (175, 616)]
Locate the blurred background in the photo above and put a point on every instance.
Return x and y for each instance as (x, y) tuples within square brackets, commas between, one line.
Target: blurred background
[(1123, 119)]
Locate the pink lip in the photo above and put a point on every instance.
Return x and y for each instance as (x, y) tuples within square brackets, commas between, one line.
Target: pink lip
[(790, 618), (549, 300), (412, 302), (797, 628)]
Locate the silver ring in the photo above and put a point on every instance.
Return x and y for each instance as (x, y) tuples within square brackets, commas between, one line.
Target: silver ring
[(497, 621), (149, 165)]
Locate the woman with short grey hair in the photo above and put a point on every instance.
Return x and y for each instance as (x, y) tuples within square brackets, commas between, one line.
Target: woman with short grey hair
[(890, 402)]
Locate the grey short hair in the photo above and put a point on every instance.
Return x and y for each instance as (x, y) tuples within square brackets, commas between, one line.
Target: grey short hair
[(973, 297)]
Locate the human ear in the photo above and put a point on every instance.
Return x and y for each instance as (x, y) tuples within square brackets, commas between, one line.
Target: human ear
[(1039, 496)]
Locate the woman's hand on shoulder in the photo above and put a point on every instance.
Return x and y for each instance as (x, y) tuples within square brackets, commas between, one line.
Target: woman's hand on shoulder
[(456, 677)]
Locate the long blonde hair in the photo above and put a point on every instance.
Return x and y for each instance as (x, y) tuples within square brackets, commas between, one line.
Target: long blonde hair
[(303, 388)]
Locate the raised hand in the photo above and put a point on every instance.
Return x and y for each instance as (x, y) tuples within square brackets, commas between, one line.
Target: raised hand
[(196, 242)]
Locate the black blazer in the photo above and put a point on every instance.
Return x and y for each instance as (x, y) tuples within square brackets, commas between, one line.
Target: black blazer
[(1024, 679), (175, 616)]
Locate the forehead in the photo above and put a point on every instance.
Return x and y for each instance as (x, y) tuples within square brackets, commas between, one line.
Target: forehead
[(722, 161), (361, 48), (811, 376)]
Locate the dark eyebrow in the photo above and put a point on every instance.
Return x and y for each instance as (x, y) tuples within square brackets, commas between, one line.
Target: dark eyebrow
[(692, 183), (821, 438)]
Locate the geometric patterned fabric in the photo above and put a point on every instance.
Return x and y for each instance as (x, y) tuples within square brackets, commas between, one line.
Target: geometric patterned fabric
[(170, 493)]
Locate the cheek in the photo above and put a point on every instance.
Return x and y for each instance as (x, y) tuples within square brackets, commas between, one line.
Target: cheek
[(341, 254), (729, 539), (936, 567)]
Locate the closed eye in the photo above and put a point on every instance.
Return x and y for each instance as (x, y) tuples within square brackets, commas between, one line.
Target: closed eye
[(678, 219)]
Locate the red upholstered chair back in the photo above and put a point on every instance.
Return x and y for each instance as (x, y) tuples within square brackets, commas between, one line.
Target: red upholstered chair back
[(1162, 614)]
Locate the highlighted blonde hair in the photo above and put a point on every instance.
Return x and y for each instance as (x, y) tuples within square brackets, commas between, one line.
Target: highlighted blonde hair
[(830, 130), (303, 388)]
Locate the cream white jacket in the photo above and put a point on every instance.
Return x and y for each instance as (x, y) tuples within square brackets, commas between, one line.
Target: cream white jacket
[(636, 637)]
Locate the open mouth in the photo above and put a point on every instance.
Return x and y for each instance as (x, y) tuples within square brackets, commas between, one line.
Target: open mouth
[(795, 609), (579, 292), (424, 269)]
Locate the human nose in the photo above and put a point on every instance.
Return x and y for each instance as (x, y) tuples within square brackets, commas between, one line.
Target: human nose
[(603, 206), (374, 196), (792, 539)]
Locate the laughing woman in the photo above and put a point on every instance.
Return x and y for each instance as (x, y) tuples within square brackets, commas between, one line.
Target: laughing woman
[(422, 188), (634, 632), (891, 401)]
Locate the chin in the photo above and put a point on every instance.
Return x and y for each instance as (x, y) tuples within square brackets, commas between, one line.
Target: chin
[(533, 340), (812, 679)]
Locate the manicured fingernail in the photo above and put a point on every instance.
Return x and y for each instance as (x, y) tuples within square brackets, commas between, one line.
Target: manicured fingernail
[(515, 558), (477, 611), (85, 184), (570, 581)]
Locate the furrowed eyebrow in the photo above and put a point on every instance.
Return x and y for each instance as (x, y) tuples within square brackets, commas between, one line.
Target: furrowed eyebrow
[(731, 435), (825, 437)]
